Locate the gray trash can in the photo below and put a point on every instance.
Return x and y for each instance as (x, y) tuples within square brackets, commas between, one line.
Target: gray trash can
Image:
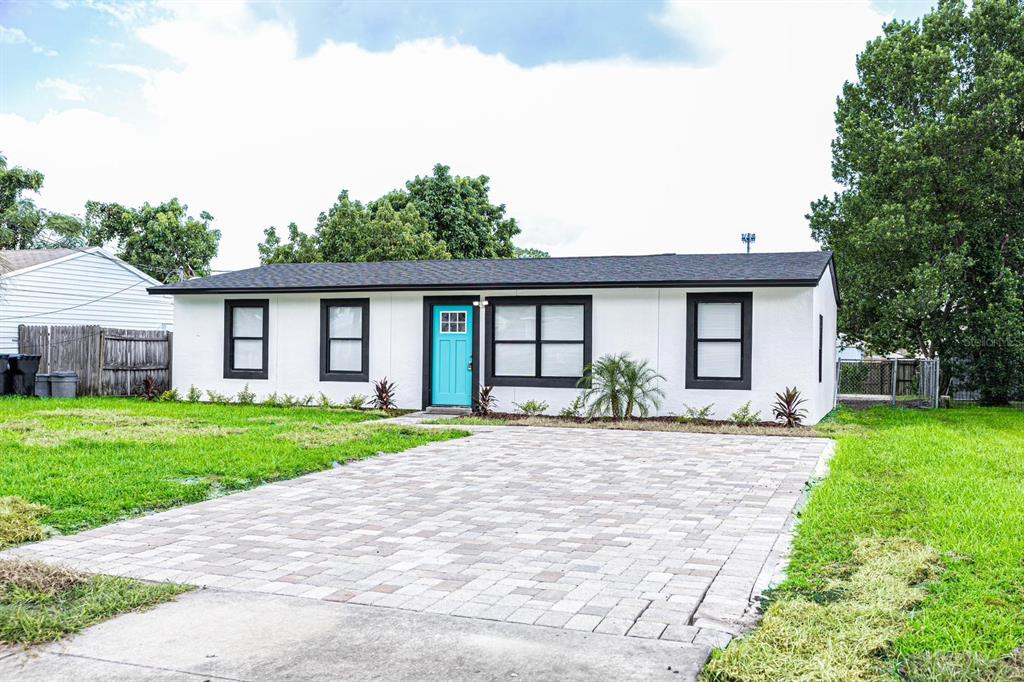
[(43, 385), (63, 384), (5, 374)]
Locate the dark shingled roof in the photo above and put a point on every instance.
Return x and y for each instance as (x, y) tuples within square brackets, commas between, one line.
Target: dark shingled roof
[(683, 270)]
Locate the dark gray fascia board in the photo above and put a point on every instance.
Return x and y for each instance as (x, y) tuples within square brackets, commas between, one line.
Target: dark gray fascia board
[(165, 290)]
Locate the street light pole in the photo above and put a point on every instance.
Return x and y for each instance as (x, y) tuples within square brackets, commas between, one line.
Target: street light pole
[(748, 239)]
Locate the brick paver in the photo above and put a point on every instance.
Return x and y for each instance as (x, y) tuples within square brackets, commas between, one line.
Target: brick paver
[(638, 534)]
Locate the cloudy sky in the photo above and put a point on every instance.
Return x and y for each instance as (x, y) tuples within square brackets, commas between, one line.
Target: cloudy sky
[(633, 127)]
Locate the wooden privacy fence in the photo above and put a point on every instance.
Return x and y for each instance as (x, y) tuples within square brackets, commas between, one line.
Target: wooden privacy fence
[(108, 361)]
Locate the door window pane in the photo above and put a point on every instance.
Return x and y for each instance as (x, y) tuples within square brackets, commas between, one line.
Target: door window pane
[(346, 356), (246, 321), (515, 322), (718, 360), (561, 323), (719, 320), (345, 322), (561, 359), (248, 353), (515, 359), (453, 322)]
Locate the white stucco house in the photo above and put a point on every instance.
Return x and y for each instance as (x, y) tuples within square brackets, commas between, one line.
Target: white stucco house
[(722, 329), (75, 286)]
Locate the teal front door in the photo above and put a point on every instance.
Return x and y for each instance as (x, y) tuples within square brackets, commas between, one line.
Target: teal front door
[(451, 371)]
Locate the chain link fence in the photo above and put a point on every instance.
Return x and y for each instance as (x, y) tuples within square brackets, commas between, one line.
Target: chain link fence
[(896, 382)]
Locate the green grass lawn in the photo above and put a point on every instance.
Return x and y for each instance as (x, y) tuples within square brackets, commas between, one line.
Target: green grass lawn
[(948, 480), (92, 461)]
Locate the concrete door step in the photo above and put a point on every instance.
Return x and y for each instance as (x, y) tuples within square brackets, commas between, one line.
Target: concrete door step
[(456, 411)]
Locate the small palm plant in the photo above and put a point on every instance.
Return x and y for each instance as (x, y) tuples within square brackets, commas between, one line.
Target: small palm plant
[(618, 385), (787, 407)]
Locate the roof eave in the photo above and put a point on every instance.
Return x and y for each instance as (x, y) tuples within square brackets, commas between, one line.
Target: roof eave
[(677, 284)]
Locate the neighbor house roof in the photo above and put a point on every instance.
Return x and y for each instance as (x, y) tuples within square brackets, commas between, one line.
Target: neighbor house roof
[(20, 259), (682, 270)]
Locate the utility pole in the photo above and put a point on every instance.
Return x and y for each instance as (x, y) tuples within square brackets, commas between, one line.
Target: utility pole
[(748, 239)]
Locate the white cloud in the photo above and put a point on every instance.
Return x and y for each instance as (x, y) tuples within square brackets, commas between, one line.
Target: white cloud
[(130, 69), (12, 36), (15, 36), (592, 158), (64, 89)]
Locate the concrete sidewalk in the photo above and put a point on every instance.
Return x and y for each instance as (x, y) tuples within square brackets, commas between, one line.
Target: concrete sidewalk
[(221, 635)]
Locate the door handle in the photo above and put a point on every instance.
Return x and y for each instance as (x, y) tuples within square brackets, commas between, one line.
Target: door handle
[(470, 368)]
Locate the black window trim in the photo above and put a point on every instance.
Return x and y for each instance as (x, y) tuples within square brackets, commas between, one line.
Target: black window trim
[(537, 380), (326, 374), (229, 338), (742, 383), (821, 346)]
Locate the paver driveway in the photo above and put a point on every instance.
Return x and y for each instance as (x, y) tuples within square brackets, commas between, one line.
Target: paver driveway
[(656, 535)]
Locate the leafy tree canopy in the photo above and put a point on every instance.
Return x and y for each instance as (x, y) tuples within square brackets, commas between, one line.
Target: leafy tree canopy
[(163, 241), (528, 252), (23, 225), (928, 231), (438, 216)]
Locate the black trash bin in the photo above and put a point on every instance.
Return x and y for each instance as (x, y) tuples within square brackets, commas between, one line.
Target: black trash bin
[(5, 376), (23, 370)]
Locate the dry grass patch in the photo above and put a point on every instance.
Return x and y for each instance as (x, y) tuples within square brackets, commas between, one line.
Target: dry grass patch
[(59, 427), (840, 631), (41, 603), (19, 521), (330, 435), (35, 576), (962, 665)]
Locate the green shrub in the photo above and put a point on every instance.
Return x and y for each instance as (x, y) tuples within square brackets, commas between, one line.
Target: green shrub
[(745, 416), (194, 394), (697, 415), (308, 399), (573, 410), (324, 401), (355, 402), (217, 398), (271, 400), (170, 396), (532, 408), (246, 397), (289, 400)]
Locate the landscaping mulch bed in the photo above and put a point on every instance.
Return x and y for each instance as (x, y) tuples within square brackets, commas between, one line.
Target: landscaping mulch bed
[(636, 424)]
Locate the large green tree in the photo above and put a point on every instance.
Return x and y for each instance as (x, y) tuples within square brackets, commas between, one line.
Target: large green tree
[(928, 231), (459, 213), (437, 216), (352, 232), (163, 241), (23, 225)]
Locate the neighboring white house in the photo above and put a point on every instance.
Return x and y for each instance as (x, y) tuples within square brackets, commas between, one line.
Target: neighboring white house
[(722, 329), (75, 286)]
